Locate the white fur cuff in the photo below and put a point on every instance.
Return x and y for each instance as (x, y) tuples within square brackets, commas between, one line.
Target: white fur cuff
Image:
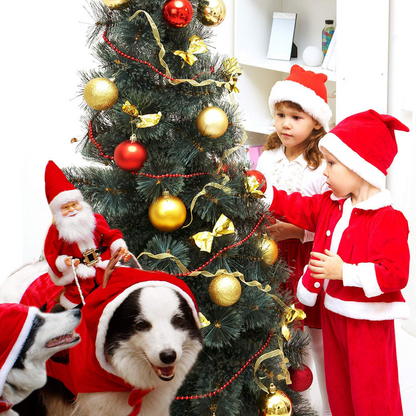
[(116, 245), (66, 279), (304, 296)]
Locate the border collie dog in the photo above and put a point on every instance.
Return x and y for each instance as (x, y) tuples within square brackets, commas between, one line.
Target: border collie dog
[(40, 336)]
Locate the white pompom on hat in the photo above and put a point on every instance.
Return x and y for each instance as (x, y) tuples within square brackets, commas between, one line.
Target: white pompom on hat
[(58, 189), (307, 89), (366, 144)]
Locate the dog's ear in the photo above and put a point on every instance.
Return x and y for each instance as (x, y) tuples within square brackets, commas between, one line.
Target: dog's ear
[(111, 266)]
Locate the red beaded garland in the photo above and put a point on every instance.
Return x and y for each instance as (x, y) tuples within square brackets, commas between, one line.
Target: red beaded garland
[(225, 385)]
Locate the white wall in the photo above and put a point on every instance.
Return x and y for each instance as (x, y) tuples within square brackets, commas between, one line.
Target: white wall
[(43, 47), (402, 104)]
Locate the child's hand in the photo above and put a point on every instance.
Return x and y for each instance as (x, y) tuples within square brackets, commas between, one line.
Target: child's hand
[(282, 231), (68, 262), (326, 266)]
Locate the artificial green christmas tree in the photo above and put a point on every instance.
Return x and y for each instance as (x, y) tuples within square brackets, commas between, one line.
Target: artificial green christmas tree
[(161, 120)]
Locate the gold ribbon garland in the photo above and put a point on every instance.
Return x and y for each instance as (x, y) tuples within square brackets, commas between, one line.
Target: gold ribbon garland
[(164, 65), (130, 109), (283, 361), (163, 256), (204, 239), (220, 186), (196, 45)]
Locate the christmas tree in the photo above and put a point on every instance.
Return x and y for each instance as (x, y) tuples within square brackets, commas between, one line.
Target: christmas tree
[(174, 178)]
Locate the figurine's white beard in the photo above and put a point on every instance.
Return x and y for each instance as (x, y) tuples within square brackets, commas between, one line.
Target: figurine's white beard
[(76, 228)]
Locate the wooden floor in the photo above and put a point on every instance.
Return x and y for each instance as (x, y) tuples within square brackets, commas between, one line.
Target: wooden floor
[(406, 356)]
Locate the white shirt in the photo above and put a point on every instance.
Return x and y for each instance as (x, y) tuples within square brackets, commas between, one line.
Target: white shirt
[(294, 176)]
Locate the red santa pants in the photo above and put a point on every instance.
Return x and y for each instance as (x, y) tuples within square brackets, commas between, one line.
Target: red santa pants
[(72, 293), (360, 366)]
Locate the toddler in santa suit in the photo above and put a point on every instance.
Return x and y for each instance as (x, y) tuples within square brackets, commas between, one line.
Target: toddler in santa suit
[(360, 261), (77, 235)]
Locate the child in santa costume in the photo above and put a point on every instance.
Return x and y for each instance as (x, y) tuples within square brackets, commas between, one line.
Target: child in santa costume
[(16, 322), (360, 262), (291, 161), (77, 237)]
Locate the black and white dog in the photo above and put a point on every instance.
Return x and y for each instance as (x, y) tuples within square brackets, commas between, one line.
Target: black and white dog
[(39, 337), (140, 338)]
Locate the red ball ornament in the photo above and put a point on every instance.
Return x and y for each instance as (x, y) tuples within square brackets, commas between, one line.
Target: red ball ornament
[(301, 378), (130, 155), (261, 179), (177, 13)]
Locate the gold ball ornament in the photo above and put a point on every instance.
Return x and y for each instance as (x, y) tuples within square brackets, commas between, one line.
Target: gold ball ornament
[(224, 290), (101, 93), (211, 14), (275, 403), (167, 213), (269, 250), (212, 122), (116, 4)]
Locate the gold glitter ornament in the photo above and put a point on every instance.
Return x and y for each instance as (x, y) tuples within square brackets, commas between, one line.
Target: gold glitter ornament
[(212, 122), (211, 14), (269, 250), (167, 213), (275, 403), (116, 4), (224, 290), (101, 93)]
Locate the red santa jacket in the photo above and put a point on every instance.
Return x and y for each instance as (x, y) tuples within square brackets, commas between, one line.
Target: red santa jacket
[(374, 244), (56, 250)]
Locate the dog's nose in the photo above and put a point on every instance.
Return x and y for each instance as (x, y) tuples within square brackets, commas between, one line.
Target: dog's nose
[(167, 356), (76, 313)]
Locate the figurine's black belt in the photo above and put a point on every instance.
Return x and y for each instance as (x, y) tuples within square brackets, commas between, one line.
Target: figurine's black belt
[(91, 256)]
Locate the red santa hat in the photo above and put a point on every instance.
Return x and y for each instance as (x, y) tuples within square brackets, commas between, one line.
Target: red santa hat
[(307, 89), (366, 144), (16, 322), (58, 189)]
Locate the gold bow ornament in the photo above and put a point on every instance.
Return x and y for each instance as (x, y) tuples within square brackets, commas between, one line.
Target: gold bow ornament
[(233, 71), (143, 121), (196, 45), (204, 239)]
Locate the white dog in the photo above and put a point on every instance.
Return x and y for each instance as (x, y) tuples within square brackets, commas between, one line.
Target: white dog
[(140, 337), (33, 337)]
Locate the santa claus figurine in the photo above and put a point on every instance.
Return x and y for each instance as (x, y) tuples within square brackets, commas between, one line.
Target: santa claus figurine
[(78, 238)]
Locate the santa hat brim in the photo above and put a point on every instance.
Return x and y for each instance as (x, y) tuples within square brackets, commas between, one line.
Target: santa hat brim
[(17, 347), (310, 102), (111, 307), (65, 197), (353, 160)]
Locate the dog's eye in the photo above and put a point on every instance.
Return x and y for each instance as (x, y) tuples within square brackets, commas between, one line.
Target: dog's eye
[(177, 320), (143, 325)]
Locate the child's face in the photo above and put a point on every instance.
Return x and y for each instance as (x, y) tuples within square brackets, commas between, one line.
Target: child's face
[(342, 180), (71, 208), (293, 126)]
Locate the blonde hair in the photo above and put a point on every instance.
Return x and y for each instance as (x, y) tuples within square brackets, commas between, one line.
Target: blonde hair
[(311, 153)]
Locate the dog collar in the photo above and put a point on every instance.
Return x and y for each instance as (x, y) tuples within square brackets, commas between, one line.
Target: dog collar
[(135, 400)]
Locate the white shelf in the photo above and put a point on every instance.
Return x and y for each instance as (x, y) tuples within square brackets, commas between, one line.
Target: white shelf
[(284, 66)]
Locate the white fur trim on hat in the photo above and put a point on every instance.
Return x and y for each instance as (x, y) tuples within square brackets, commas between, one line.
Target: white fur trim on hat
[(353, 160), (111, 307), (65, 197), (17, 347), (311, 103)]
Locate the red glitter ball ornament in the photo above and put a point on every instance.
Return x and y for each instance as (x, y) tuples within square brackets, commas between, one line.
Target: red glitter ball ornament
[(261, 179), (177, 13), (301, 378), (130, 155)]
